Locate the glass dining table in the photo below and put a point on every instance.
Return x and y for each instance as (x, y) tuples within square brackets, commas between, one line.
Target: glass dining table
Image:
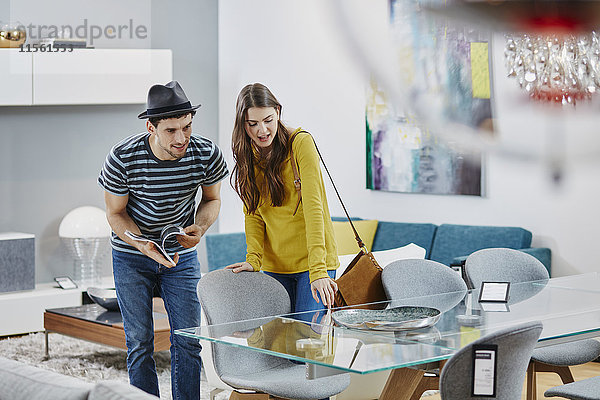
[(339, 341)]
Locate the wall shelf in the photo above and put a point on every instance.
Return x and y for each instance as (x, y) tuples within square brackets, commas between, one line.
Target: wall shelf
[(83, 76)]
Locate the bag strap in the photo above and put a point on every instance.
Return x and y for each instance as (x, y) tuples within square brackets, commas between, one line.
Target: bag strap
[(359, 241), (297, 183)]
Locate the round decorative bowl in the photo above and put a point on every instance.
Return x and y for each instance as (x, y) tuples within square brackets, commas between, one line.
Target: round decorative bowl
[(391, 319), (106, 298), (12, 36)]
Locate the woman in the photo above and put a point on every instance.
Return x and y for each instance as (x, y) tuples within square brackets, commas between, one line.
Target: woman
[(289, 237)]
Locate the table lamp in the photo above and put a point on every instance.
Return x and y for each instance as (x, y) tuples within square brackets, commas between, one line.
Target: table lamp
[(85, 233)]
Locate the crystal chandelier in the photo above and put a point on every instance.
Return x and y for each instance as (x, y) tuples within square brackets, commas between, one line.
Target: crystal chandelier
[(555, 68)]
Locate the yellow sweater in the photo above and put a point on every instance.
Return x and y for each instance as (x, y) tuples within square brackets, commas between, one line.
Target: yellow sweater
[(281, 242)]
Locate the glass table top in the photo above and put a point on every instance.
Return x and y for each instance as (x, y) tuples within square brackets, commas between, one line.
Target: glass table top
[(568, 307), (90, 312)]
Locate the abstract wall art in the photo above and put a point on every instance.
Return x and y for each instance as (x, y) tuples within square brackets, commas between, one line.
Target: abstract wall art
[(402, 154)]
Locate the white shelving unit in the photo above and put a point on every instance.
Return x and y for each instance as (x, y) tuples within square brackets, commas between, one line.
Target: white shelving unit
[(23, 312), (83, 76), (16, 78)]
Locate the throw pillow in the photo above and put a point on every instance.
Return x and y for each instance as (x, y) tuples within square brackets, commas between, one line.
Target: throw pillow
[(385, 257), (344, 237)]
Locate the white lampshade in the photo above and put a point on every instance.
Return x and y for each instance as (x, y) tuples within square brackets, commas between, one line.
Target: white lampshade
[(84, 222)]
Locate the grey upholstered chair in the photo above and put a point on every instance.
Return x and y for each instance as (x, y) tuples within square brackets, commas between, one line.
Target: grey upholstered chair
[(407, 282), (508, 265), (227, 297), (515, 345), (586, 389)]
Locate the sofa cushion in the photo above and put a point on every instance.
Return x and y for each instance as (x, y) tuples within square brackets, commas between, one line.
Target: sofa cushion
[(461, 240), (391, 235), (223, 249), (344, 236), (21, 381), (116, 390)]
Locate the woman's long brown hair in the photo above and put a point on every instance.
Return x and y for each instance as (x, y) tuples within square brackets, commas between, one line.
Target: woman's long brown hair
[(243, 179)]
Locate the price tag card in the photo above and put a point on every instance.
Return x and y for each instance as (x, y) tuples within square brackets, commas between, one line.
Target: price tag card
[(494, 292), (484, 370), (494, 307)]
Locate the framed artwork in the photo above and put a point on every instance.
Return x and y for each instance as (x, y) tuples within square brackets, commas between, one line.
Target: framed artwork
[(402, 154)]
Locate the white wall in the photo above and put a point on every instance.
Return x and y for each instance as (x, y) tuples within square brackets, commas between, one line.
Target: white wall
[(294, 48)]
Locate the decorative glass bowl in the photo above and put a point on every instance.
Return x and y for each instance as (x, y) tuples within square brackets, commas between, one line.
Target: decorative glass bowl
[(106, 298), (391, 319)]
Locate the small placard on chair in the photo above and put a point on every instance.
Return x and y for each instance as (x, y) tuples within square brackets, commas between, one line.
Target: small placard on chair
[(484, 370), (494, 292)]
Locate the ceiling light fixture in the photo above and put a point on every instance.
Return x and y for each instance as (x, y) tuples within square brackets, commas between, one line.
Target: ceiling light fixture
[(556, 68)]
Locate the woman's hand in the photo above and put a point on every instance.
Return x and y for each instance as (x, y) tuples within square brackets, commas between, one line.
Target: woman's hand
[(239, 267), (326, 289), (324, 324)]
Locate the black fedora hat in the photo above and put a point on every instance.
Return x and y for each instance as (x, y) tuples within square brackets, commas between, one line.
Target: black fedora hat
[(165, 100)]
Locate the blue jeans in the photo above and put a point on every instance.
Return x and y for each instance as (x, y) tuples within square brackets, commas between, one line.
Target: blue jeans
[(135, 277), (298, 287)]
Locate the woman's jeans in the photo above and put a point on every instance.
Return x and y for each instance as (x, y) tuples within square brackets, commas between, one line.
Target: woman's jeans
[(135, 278), (298, 287)]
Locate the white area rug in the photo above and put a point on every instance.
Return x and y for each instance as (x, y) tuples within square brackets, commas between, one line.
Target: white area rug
[(92, 362), (88, 361)]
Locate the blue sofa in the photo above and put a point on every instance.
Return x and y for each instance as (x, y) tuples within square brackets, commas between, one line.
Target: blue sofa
[(448, 244)]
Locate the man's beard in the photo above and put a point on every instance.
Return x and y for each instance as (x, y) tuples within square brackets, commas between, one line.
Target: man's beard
[(169, 152)]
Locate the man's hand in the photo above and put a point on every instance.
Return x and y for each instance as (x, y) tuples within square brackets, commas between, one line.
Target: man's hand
[(120, 221), (239, 267), (193, 233), (325, 288), (150, 250)]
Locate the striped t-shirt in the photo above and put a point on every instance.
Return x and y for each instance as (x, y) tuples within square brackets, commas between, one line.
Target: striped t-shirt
[(160, 192)]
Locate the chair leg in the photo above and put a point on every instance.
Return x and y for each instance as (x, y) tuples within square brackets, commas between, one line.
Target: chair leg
[(531, 382), (235, 395), (563, 371), (214, 392)]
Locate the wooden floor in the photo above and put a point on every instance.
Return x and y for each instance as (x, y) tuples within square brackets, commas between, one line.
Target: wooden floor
[(547, 380)]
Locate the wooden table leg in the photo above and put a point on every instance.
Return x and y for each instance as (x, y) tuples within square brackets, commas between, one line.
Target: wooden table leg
[(426, 383), (401, 384), (442, 364)]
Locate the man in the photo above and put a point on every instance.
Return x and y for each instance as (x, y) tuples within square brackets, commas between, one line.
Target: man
[(150, 181)]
